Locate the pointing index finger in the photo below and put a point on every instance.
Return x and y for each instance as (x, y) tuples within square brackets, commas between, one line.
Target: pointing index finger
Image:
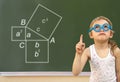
[(81, 38)]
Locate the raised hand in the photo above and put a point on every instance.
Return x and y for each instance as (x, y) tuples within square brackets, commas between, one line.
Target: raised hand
[(80, 46)]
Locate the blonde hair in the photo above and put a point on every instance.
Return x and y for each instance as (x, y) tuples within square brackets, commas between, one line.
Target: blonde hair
[(111, 42), (99, 18)]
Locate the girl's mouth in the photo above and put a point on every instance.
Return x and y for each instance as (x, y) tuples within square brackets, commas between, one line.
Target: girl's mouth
[(101, 33)]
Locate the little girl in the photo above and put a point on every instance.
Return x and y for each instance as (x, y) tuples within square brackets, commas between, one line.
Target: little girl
[(103, 55)]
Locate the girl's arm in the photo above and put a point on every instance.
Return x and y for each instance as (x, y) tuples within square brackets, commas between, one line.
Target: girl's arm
[(117, 61), (80, 57), (80, 61)]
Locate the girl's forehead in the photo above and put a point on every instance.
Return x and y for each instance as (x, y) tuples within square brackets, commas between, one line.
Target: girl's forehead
[(101, 21)]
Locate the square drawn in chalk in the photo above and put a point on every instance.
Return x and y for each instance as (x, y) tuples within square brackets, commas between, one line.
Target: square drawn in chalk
[(37, 52), (17, 33), (44, 21)]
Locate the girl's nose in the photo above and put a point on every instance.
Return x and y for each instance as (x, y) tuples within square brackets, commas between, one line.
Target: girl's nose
[(101, 30)]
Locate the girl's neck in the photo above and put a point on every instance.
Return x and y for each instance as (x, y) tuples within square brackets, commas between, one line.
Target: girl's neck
[(102, 45)]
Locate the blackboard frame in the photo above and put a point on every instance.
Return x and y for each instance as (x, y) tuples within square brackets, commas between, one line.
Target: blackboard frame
[(76, 17), (42, 73)]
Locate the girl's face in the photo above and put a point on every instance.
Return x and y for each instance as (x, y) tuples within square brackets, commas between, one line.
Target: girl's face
[(102, 34)]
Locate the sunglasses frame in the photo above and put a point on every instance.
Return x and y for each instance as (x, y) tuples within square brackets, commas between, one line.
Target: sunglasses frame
[(101, 27)]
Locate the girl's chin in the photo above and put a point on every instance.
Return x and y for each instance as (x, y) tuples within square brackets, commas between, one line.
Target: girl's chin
[(102, 39)]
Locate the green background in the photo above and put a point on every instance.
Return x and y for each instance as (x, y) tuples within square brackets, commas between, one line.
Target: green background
[(76, 17)]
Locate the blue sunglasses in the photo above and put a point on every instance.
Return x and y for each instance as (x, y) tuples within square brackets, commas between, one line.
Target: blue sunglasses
[(98, 27)]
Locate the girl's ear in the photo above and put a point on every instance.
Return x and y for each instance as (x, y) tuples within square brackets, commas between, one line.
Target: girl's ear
[(111, 33), (90, 34)]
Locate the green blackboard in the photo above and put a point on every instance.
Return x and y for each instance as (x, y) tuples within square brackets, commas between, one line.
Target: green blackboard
[(40, 35)]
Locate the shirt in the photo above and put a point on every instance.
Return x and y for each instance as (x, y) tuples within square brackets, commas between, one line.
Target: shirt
[(102, 69)]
